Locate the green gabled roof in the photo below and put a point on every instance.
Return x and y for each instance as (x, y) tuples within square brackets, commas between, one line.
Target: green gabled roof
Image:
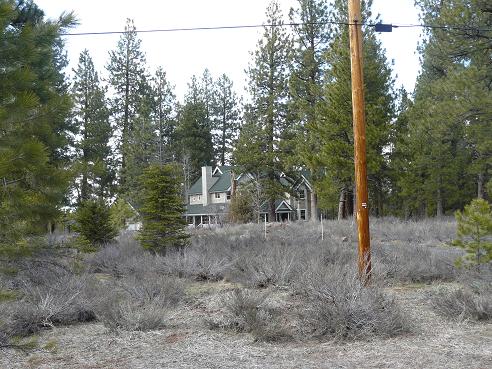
[(222, 184), (278, 202), (282, 206), (196, 188), (211, 209)]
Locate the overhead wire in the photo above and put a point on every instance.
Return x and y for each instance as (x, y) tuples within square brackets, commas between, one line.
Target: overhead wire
[(246, 26)]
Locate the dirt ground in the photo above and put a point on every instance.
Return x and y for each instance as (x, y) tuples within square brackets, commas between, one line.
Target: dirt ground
[(189, 343)]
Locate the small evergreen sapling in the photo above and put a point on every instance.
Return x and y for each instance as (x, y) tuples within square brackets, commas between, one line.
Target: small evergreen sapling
[(94, 224), (475, 232), (162, 212)]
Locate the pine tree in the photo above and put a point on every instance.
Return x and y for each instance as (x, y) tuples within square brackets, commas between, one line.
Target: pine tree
[(127, 78), (207, 92), (164, 115), (94, 224), (335, 128), (431, 179), (91, 116), (162, 211), (193, 134), (474, 231), (309, 69), (462, 59), (266, 118), (143, 145), (34, 125), (448, 147), (227, 115)]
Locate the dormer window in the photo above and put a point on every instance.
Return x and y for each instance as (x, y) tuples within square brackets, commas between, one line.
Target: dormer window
[(217, 195)]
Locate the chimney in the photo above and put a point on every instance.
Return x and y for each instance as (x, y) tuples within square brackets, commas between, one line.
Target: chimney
[(206, 184)]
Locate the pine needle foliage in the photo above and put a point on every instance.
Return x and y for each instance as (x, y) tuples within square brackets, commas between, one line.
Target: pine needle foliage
[(94, 223), (475, 232), (162, 208)]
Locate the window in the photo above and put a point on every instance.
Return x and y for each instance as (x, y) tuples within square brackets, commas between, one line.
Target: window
[(217, 195), (303, 214), (301, 195), (228, 195)]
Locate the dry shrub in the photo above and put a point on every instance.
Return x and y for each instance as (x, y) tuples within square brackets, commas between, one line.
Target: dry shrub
[(463, 304), (404, 262), (410, 251), (432, 231), (60, 301), (248, 311), (199, 263), (336, 305), (126, 257), (274, 264), (140, 302), (472, 300)]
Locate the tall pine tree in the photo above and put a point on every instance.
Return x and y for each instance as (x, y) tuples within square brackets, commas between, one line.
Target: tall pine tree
[(263, 138), (193, 134), (34, 122), (227, 119), (128, 80), (311, 36), (335, 127), (164, 116), (91, 115), (448, 146)]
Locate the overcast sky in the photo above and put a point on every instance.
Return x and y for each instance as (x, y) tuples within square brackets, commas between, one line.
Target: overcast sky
[(183, 54)]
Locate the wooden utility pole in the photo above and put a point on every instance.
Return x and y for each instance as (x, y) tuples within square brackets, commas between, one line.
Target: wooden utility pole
[(359, 118)]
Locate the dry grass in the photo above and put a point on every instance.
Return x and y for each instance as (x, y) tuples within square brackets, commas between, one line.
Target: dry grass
[(215, 303)]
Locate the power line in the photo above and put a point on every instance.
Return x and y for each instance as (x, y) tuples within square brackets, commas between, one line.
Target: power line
[(380, 27)]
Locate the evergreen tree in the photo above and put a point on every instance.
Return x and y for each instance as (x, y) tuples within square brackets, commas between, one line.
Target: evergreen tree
[(194, 139), (227, 115), (309, 68), (143, 143), (431, 178), (164, 115), (94, 223), (128, 80), (162, 211), (474, 232), (34, 124), (335, 127), (193, 134), (266, 118), (207, 92), (448, 148), (91, 116)]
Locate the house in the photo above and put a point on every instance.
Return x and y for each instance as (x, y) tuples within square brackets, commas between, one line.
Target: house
[(209, 197)]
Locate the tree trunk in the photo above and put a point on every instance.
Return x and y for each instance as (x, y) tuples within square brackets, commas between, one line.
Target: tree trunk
[(271, 211), (439, 203), (314, 206), (480, 181), (341, 204)]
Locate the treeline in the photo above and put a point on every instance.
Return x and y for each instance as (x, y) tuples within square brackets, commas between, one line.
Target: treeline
[(135, 120), (63, 141)]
